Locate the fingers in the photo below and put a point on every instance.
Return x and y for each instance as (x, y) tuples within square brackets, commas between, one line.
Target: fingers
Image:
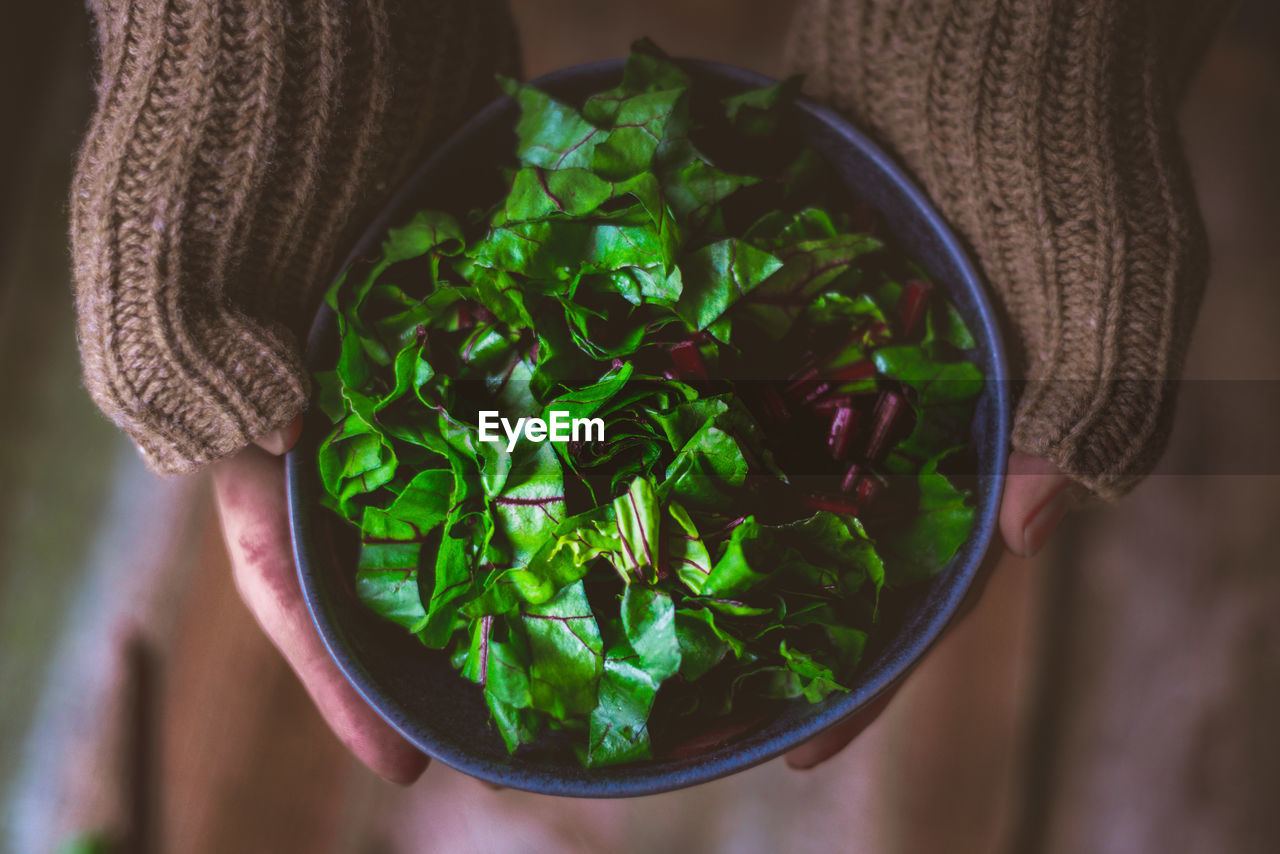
[(280, 440), (1036, 497), (827, 744), (250, 494)]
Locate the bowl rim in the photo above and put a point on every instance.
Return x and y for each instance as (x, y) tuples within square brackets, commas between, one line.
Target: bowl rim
[(658, 780)]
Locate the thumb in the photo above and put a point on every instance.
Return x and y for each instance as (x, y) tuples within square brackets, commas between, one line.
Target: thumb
[(1036, 497), (281, 439)]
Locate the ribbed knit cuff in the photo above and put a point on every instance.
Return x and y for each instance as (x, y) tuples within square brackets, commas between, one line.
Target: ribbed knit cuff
[(1045, 132), (236, 150)]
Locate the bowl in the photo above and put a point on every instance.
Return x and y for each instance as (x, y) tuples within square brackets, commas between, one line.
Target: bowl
[(417, 691)]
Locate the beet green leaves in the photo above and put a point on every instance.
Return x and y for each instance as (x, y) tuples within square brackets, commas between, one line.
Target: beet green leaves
[(783, 397)]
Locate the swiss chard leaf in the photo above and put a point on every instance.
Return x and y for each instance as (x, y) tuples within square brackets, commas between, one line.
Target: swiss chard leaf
[(687, 554), (941, 523), (532, 503), (566, 653), (733, 573), (551, 134), (718, 275), (649, 620), (618, 729), (807, 268)]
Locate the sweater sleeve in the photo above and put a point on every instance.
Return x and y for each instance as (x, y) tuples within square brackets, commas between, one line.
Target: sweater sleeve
[(235, 148), (1045, 131)]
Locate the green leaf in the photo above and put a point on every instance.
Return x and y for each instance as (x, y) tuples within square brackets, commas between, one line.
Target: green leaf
[(452, 581), (944, 323), (807, 268), (393, 595), (427, 231), (531, 503), (634, 534), (648, 69), (712, 438), (354, 463), (638, 127), (833, 552), (329, 395), (618, 728), (537, 193), (853, 311), (567, 558), (933, 382), (507, 669), (761, 112), (703, 642), (566, 653), (942, 522), (695, 189), (686, 552), (806, 677), (422, 505), (516, 725), (733, 573), (781, 229), (551, 134), (718, 275), (649, 619)]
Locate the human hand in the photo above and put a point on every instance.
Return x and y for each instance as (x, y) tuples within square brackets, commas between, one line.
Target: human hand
[(1036, 497), (249, 491)]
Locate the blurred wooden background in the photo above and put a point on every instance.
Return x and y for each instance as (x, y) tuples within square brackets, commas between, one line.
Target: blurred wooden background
[(1119, 694)]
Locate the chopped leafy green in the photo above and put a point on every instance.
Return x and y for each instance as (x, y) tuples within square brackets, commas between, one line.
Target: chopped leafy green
[(752, 373)]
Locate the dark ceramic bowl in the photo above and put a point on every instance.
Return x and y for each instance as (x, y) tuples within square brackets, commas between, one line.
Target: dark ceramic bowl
[(417, 690)]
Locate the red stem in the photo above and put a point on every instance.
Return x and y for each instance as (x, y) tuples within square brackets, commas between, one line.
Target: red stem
[(844, 425), (688, 360), (851, 477), (915, 296), (859, 370), (866, 491), (832, 503), (889, 407), (802, 382), (775, 407), (830, 403)]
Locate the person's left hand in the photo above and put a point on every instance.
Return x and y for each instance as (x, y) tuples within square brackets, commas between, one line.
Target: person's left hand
[(1036, 497)]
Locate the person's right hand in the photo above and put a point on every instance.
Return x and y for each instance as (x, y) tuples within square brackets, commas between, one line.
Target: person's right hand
[(249, 490)]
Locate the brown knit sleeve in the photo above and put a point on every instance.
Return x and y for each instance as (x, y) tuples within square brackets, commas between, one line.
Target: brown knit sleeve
[(235, 148), (1045, 132)]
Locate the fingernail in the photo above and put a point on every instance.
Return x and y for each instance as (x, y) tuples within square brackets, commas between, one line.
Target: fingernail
[(273, 442), (281, 439), (1041, 525)]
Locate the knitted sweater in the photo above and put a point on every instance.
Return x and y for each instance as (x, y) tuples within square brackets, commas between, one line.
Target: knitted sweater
[(235, 148), (1045, 132), (233, 152)]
